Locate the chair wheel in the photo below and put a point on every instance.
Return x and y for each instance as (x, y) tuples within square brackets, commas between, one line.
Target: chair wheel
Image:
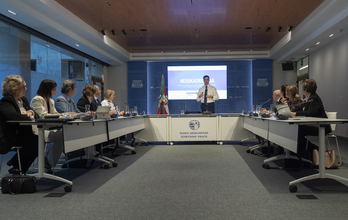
[(114, 164), (105, 166), (133, 152), (293, 188), (265, 165), (240, 143), (252, 152), (146, 144), (248, 151), (68, 188)]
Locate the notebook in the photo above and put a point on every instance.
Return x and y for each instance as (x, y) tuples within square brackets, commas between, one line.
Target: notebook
[(103, 112)]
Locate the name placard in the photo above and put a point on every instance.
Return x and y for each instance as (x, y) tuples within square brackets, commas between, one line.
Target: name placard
[(194, 129)]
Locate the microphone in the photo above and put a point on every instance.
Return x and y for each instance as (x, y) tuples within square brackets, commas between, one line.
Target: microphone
[(265, 102), (255, 113)]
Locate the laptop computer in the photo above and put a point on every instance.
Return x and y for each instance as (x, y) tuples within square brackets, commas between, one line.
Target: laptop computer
[(284, 110), (103, 112)]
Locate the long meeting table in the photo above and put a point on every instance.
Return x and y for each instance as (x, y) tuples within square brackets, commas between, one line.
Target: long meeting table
[(78, 134), (285, 133)]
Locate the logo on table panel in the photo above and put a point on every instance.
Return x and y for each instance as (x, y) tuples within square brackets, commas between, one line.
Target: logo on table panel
[(194, 124)]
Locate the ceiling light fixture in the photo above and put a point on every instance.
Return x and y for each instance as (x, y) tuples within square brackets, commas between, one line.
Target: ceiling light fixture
[(77, 45), (269, 28), (108, 3), (12, 12), (124, 32), (330, 35), (279, 29), (103, 32), (304, 67), (307, 49), (113, 32), (318, 43)]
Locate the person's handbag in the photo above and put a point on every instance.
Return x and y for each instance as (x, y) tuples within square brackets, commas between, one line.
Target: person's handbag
[(16, 184), (330, 158)]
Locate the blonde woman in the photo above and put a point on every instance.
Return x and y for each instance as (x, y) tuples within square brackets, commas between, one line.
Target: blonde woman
[(14, 106), (108, 97), (294, 100)]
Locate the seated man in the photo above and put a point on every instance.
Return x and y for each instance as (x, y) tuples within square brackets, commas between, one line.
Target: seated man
[(313, 107), (64, 102)]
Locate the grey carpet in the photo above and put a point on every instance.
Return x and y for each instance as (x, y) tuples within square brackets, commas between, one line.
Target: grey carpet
[(176, 182)]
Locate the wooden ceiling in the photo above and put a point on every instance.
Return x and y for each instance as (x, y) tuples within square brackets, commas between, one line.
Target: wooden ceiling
[(146, 26)]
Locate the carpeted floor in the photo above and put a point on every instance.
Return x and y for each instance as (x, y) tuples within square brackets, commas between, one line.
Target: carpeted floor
[(181, 182)]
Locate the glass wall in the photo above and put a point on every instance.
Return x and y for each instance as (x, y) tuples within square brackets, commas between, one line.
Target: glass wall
[(36, 59)]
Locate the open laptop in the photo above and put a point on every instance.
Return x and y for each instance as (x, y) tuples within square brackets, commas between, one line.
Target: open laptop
[(103, 112), (284, 110)]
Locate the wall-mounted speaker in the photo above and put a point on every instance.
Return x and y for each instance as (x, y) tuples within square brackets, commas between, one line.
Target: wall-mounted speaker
[(288, 66)]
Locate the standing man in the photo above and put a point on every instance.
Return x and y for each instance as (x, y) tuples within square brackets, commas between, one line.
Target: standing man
[(64, 102), (207, 95), (95, 101)]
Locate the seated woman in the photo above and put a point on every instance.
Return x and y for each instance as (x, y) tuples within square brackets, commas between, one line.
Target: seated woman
[(88, 91), (313, 107), (43, 105), (109, 96), (294, 101), (14, 106)]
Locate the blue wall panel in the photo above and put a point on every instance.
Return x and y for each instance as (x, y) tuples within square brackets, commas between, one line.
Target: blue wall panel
[(243, 84)]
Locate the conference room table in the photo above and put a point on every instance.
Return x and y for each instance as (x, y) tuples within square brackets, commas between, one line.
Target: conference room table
[(285, 133), (78, 134)]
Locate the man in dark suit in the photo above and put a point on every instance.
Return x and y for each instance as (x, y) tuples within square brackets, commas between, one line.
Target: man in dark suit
[(277, 97), (95, 101), (313, 107)]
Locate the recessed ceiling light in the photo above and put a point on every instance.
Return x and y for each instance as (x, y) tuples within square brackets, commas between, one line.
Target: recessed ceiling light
[(228, 51), (307, 49), (12, 12), (162, 51), (330, 35), (77, 45), (251, 50), (318, 43), (47, 45), (206, 51), (184, 51)]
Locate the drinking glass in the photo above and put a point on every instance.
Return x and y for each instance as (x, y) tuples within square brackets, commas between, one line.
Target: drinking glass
[(127, 110), (87, 109), (67, 113)]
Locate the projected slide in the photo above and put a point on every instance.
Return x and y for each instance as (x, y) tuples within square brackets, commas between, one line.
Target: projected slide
[(185, 81)]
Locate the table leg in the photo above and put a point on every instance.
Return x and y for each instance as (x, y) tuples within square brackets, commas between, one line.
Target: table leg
[(41, 155)]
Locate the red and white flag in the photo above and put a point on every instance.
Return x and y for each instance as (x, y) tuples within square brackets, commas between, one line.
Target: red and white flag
[(163, 107)]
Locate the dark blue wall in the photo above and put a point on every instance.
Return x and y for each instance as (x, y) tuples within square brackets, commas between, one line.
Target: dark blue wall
[(249, 82)]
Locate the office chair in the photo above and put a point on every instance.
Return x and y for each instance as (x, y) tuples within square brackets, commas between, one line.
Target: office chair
[(314, 139)]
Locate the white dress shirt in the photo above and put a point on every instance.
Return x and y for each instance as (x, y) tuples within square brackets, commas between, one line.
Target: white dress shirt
[(211, 91), (106, 102)]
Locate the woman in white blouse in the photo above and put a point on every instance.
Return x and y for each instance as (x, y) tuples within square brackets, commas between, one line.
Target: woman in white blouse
[(108, 97), (43, 105)]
